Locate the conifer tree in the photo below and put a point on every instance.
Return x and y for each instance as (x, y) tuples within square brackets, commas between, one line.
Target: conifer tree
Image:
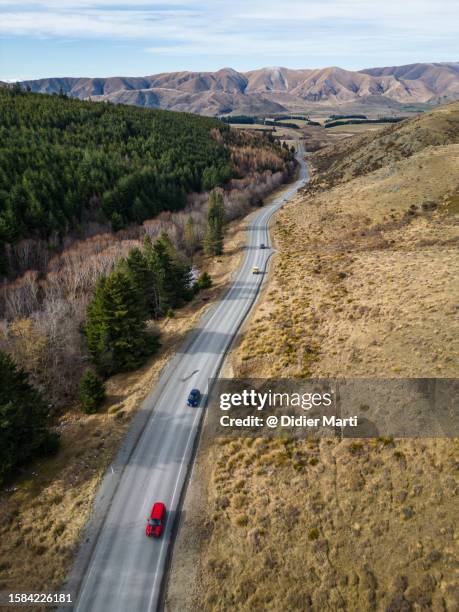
[(3, 259), (115, 328), (172, 273), (213, 241), (160, 264), (204, 281), (92, 392), (189, 235), (144, 281), (150, 258), (24, 418)]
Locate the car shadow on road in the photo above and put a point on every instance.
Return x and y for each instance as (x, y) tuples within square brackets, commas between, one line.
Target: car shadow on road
[(207, 342), (173, 517)]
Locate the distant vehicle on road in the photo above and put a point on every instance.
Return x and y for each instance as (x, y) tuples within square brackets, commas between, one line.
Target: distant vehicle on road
[(155, 522), (262, 245), (255, 270), (194, 398)]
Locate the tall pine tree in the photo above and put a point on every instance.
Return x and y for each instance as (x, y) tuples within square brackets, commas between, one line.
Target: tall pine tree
[(213, 240), (144, 281), (24, 418), (115, 329), (172, 272), (189, 235)]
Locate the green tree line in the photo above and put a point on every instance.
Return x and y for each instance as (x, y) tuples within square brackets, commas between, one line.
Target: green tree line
[(331, 124)]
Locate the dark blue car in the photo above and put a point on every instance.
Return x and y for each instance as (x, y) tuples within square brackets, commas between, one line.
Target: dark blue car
[(194, 398)]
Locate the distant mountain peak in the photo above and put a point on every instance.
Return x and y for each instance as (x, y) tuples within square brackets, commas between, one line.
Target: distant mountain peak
[(268, 90)]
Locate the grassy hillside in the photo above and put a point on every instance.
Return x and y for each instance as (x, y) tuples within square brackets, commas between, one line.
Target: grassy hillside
[(348, 252), (359, 156), (363, 285)]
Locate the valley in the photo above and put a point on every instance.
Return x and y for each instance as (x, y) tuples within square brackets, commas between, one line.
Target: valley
[(353, 290), (229, 332)]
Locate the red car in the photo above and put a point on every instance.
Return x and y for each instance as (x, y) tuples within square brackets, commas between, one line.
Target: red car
[(155, 523)]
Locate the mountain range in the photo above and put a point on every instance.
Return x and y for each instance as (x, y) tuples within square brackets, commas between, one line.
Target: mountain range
[(270, 90)]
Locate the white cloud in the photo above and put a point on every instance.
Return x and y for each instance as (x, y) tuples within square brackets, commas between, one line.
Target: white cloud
[(98, 23), (252, 27)]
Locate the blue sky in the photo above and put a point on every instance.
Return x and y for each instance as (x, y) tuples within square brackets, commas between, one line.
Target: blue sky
[(41, 38)]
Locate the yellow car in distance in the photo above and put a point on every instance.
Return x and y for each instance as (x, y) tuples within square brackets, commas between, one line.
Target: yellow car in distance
[(255, 270)]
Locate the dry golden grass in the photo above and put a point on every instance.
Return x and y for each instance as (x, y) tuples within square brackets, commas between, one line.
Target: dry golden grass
[(314, 137), (324, 525), (357, 128), (361, 291), (298, 122), (365, 153), (251, 126), (364, 285)]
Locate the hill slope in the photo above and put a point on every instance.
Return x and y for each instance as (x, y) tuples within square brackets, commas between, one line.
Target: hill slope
[(68, 165), (363, 285), (66, 161), (363, 154), (375, 205), (72, 168), (268, 90)]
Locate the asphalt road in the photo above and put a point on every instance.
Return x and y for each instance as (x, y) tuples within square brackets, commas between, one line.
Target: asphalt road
[(126, 568)]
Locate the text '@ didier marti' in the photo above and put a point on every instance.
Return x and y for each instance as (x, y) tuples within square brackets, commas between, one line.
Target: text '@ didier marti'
[(265, 400)]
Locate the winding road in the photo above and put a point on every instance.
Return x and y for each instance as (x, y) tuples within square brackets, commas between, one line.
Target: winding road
[(118, 569)]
